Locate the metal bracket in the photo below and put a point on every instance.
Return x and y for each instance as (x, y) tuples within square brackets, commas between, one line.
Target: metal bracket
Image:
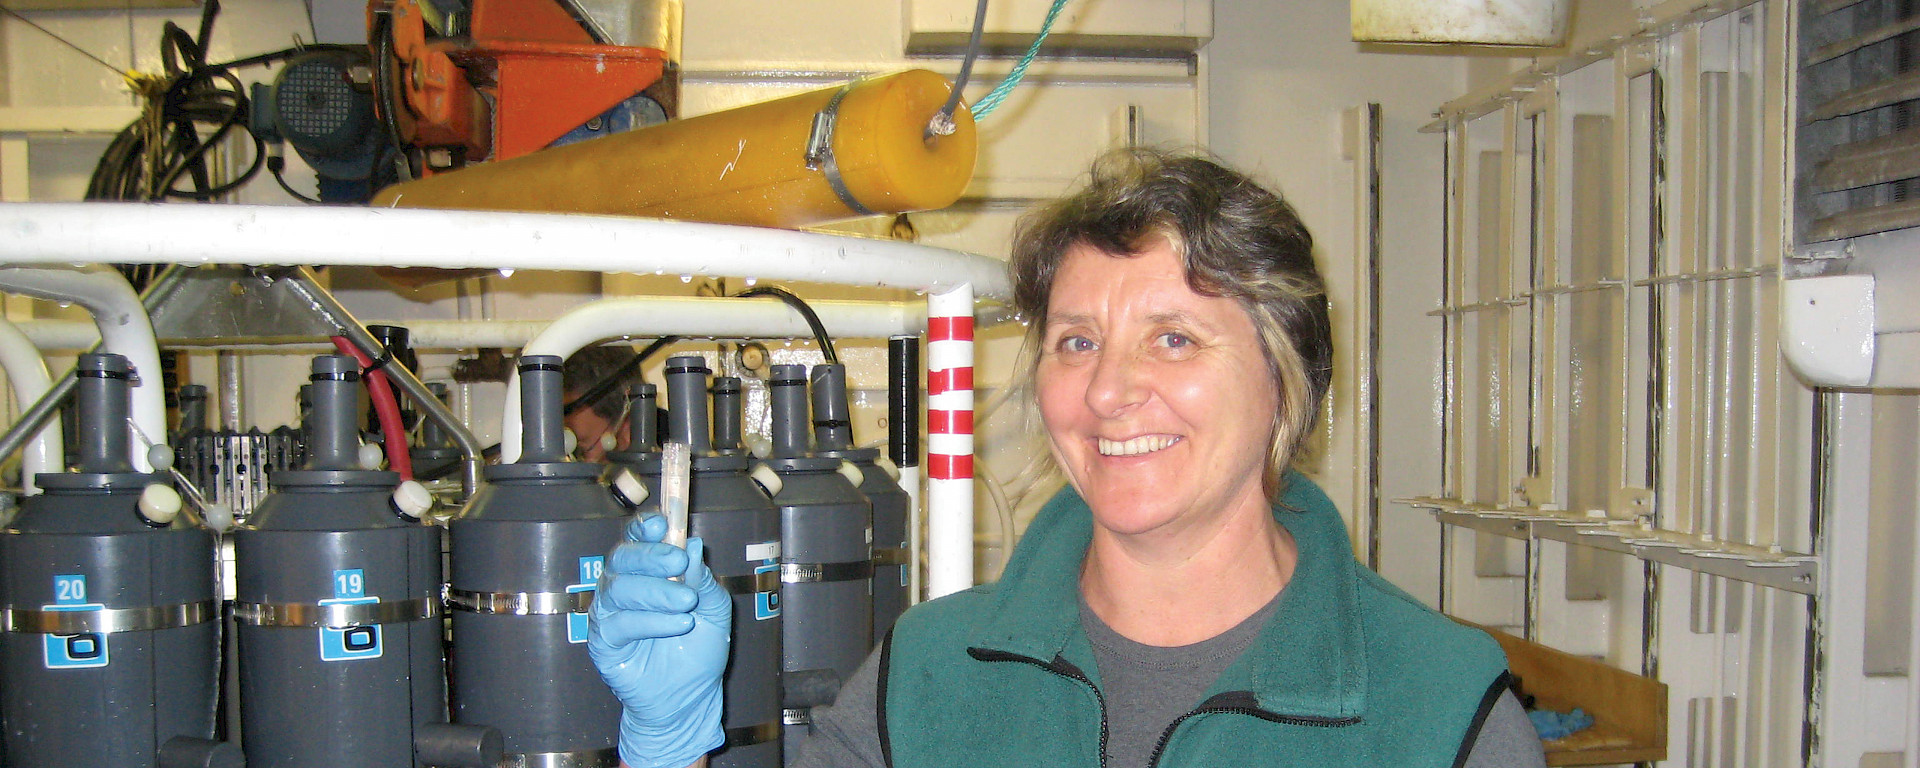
[(1789, 571)]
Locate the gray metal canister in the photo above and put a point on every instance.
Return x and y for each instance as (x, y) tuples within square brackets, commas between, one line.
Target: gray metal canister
[(741, 528), (110, 646), (833, 438), (826, 559), (527, 553), (337, 604)]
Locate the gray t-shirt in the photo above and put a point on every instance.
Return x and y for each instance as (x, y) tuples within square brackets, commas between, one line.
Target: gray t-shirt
[(1146, 687)]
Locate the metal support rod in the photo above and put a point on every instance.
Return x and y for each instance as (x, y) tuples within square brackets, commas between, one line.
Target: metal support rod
[(303, 282), (36, 416), (233, 414)]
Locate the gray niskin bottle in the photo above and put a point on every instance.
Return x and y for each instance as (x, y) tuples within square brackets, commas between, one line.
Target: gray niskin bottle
[(527, 553), (833, 438), (826, 559), (338, 604), (111, 651)]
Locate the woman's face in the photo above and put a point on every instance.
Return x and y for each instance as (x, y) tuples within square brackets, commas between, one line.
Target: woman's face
[(1157, 399)]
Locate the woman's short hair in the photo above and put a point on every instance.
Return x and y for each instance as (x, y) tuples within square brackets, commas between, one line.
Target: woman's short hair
[(1237, 240)]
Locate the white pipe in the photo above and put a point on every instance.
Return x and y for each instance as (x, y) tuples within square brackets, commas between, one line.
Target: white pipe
[(142, 233), (911, 481), (693, 315), (949, 441), (27, 372), (699, 317), (125, 329)]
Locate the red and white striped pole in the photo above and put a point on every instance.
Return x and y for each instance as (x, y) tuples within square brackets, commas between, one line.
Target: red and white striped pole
[(949, 441)]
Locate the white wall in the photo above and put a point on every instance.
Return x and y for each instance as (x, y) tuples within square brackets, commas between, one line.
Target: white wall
[(1278, 78)]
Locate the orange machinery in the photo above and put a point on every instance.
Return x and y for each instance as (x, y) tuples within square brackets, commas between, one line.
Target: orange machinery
[(524, 73)]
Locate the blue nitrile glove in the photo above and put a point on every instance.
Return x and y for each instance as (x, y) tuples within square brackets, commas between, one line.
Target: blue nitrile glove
[(661, 646)]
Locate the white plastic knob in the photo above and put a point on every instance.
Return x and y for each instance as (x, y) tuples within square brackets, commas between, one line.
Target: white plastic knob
[(160, 456), (768, 480), (412, 499), (886, 465), (159, 504), (609, 441), (852, 473), (371, 456), (628, 489), (219, 517), (568, 442)]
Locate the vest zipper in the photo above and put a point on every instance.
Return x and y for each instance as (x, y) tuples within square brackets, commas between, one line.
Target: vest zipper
[(1062, 668), (1166, 736)]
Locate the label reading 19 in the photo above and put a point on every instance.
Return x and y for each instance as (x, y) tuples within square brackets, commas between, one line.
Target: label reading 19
[(87, 650), (350, 643), (590, 568)]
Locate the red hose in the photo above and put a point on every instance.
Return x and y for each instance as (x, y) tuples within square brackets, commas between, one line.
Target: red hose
[(380, 390)]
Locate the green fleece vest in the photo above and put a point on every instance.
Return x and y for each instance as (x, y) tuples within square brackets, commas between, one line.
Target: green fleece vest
[(1350, 671)]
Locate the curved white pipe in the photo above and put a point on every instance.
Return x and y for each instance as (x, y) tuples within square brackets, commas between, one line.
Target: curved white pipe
[(144, 233), (698, 317), (125, 329), (27, 372)]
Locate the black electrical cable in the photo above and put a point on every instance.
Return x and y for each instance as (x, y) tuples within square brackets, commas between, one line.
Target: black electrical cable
[(942, 122), (192, 94), (602, 387), (611, 382), (806, 312), (384, 105), (277, 166)]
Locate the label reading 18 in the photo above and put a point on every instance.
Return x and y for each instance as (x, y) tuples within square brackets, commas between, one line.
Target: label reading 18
[(590, 569), (350, 643)]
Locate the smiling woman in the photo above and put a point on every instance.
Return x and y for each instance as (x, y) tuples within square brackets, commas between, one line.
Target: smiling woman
[(1189, 600)]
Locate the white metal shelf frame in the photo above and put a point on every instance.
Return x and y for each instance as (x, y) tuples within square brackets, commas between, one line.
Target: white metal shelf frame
[(1614, 398)]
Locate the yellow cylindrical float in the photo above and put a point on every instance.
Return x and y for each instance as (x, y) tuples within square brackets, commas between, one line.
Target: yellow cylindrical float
[(769, 164)]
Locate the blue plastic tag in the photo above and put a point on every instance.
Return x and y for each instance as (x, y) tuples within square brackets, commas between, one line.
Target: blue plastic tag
[(350, 643), (590, 568), (87, 650)]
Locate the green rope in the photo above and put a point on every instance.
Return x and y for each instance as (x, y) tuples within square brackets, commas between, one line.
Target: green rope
[(991, 101)]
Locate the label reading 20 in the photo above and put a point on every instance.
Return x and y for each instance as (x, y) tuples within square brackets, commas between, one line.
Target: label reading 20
[(86, 650)]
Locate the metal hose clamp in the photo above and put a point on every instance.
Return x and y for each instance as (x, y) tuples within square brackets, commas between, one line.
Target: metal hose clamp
[(820, 150), (606, 757), (106, 621), (808, 573), (337, 616), (763, 581), (520, 603), (749, 735)]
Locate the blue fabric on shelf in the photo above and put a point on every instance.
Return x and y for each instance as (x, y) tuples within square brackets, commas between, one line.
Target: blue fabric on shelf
[(1559, 725)]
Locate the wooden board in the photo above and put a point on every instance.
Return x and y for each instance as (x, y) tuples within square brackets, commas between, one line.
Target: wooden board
[(1629, 711)]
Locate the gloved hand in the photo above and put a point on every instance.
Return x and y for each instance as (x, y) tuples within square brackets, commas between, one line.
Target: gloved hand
[(661, 646)]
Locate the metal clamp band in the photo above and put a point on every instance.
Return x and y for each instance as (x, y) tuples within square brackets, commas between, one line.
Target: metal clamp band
[(607, 757), (892, 556), (339, 616), (807, 573), (749, 735), (764, 581), (106, 620), (520, 603), (820, 151), (802, 716)]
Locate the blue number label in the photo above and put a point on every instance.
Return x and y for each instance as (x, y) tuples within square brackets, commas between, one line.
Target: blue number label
[(590, 570), (87, 650), (350, 643)]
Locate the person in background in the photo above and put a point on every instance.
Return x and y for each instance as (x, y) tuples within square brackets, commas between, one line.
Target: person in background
[(601, 425), (1187, 600)]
